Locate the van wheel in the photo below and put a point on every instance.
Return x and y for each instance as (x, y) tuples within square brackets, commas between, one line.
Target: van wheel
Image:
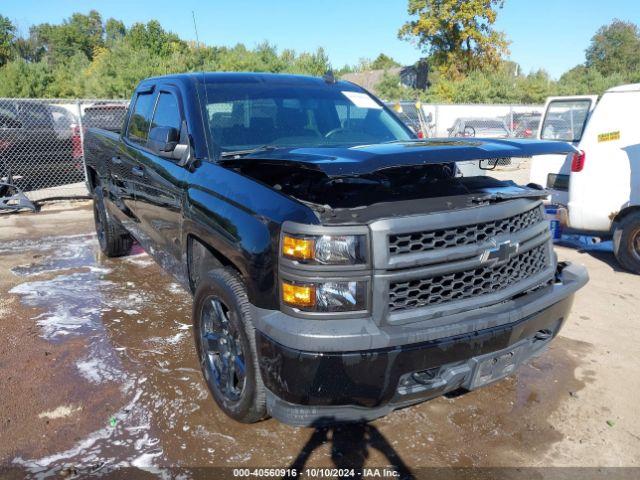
[(114, 240), (626, 242), (226, 345)]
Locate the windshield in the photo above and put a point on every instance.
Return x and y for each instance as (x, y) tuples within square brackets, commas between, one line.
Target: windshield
[(242, 116), (565, 120)]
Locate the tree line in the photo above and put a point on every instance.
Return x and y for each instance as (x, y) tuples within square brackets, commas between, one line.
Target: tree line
[(87, 56), (466, 55)]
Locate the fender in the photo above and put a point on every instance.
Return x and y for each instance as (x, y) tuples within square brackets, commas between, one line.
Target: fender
[(240, 219)]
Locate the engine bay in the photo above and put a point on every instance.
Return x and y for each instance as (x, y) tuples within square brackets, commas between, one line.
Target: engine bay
[(396, 184)]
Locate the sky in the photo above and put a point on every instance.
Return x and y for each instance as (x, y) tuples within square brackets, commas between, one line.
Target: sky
[(544, 33)]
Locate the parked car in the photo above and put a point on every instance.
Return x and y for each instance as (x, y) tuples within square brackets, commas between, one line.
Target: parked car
[(340, 267), (479, 127), (598, 188), (525, 125), (63, 121), (107, 115), (34, 149)]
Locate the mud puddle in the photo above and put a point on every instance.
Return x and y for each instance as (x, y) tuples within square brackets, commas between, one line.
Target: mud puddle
[(137, 398)]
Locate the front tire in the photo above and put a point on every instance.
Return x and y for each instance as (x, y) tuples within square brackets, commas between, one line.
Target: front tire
[(226, 345), (114, 240), (626, 242)]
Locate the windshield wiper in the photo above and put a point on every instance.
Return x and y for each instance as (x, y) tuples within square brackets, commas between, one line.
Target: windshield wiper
[(248, 151)]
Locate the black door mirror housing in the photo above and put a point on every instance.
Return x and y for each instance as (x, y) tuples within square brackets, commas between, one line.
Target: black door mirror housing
[(163, 140)]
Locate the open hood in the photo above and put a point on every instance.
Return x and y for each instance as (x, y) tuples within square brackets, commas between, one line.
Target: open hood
[(365, 159)]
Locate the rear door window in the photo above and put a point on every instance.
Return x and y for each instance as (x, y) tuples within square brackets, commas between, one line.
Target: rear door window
[(565, 120), (140, 121)]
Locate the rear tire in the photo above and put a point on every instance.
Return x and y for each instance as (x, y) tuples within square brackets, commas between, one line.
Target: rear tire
[(626, 242), (226, 345), (114, 240)]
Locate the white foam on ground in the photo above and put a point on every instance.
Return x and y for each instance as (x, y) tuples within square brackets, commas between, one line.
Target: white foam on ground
[(73, 253), (74, 303), (141, 449), (39, 467), (140, 260), (96, 370), (71, 301), (176, 288), (44, 244)]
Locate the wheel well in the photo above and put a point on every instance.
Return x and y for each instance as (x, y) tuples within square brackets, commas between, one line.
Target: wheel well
[(202, 257), (92, 179), (625, 213)]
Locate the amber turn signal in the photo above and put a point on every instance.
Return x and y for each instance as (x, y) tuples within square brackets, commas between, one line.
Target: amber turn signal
[(298, 295), (297, 247)]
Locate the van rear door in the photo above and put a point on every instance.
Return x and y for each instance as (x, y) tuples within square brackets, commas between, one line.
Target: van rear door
[(608, 180), (564, 119)]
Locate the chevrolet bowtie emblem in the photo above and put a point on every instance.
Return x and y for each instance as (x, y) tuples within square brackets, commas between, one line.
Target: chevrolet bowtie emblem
[(500, 254)]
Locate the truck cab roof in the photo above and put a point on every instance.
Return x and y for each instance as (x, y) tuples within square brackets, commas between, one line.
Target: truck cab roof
[(632, 87), (246, 77)]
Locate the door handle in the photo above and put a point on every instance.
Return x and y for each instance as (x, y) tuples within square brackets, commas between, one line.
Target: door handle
[(116, 160), (139, 171)]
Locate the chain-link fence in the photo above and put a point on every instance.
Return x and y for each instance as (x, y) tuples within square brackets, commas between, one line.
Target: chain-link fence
[(483, 121), (488, 121), (41, 142)]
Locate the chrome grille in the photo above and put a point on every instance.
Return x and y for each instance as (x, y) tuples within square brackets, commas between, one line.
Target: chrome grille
[(463, 235), (468, 283)]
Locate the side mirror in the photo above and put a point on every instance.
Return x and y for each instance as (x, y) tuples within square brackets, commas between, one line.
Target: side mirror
[(163, 140)]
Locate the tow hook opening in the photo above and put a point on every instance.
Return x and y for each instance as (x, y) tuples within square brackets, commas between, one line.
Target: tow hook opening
[(561, 266), (542, 335), (425, 377)]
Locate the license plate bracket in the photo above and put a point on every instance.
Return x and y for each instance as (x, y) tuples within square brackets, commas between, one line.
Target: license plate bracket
[(496, 365)]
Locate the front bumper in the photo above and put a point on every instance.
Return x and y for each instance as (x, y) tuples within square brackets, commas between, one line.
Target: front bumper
[(308, 387)]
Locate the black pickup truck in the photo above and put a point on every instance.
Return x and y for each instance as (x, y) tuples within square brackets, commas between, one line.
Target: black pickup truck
[(341, 268)]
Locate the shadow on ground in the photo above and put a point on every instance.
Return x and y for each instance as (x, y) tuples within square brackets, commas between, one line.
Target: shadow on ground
[(350, 449)]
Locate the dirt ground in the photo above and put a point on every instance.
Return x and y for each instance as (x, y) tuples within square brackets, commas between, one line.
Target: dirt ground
[(98, 371)]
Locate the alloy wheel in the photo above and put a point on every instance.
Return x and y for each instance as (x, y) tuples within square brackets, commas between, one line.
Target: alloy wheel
[(222, 354), (635, 242)]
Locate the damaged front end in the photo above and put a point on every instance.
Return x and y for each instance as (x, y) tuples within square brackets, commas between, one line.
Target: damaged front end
[(454, 285), (337, 178)]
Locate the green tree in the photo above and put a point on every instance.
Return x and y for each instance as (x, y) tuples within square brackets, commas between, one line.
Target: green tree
[(316, 63), (153, 37), (68, 78), (389, 88), (115, 72), (79, 33), (21, 79), (582, 80), (615, 48), (383, 62), (457, 35), (114, 30), (536, 87), (7, 39), (28, 49)]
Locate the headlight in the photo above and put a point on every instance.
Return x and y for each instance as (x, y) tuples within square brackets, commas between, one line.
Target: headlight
[(332, 296), (325, 249)]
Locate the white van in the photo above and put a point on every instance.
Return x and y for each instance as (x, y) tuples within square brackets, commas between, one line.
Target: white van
[(597, 190)]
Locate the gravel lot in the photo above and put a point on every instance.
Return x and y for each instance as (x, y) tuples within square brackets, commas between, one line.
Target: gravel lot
[(97, 369)]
